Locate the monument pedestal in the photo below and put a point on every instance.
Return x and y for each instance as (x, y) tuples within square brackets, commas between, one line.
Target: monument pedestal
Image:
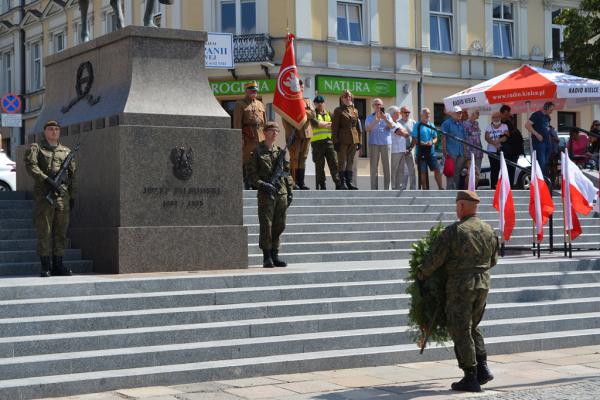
[(159, 170)]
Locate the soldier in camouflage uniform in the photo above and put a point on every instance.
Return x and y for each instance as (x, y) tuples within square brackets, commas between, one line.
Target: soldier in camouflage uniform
[(271, 212), (249, 116), (43, 160), (467, 249)]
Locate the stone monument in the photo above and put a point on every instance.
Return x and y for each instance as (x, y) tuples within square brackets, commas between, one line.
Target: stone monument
[(159, 167)]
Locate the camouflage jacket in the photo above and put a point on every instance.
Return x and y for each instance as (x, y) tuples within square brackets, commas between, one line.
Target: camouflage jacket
[(467, 249), (260, 167), (43, 161)]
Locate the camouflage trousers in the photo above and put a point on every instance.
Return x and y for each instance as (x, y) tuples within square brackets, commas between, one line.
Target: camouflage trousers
[(464, 310), (271, 217), (51, 223), (322, 150)]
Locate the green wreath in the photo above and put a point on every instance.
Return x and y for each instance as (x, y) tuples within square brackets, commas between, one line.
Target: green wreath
[(427, 315)]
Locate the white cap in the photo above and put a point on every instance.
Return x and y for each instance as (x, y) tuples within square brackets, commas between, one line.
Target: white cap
[(457, 109)]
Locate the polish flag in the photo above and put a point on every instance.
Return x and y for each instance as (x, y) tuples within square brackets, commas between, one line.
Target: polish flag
[(578, 194), (541, 205), (503, 201), (288, 98), (472, 173)]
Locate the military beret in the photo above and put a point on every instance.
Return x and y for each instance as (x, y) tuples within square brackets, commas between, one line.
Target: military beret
[(467, 195), (319, 99), (271, 125), (251, 85), (51, 123)]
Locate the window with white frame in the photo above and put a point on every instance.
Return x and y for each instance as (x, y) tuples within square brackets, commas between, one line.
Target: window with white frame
[(58, 41), (4, 6), (7, 76), (503, 24), (35, 51), (440, 25), (111, 22), (558, 35), (349, 21), (237, 16), (77, 30)]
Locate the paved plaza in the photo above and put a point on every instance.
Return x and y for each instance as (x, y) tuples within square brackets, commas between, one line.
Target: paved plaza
[(572, 373)]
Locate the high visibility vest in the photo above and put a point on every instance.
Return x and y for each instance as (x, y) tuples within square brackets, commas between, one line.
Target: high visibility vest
[(322, 133)]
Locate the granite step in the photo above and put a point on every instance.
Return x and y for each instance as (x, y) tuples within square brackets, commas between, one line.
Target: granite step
[(31, 256), (49, 324), (18, 244), (16, 204), (16, 213), (19, 346), (100, 381), (484, 194), (341, 226), (16, 234), (146, 356), (22, 269), (12, 223), (11, 196)]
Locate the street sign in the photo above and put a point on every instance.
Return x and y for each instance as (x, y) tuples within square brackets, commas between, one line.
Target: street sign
[(10, 103), (218, 51), (12, 120)]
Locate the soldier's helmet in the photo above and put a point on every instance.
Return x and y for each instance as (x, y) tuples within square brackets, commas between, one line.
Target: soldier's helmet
[(252, 85)]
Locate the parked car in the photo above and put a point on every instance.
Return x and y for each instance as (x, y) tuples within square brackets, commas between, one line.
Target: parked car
[(8, 173)]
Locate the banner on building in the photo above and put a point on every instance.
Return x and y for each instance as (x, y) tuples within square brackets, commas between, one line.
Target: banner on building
[(236, 88), (358, 86)]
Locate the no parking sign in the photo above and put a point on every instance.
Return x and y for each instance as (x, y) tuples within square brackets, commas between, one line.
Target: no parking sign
[(10, 103)]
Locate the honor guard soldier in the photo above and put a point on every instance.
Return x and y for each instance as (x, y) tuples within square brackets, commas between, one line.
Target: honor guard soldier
[(274, 194), (467, 249), (322, 146), (299, 149), (249, 116), (52, 199), (345, 134)]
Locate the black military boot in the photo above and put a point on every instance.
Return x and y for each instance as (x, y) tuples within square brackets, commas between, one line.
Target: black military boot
[(267, 260), (276, 260), (468, 383), (58, 268), (45, 267), (484, 375), (342, 184), (300, 177), (349, 184)]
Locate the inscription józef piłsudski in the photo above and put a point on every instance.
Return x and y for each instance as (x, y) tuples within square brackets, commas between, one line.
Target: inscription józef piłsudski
[(181, 197)]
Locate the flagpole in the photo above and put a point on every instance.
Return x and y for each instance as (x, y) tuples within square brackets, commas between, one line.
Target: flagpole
[(502, 205), (533, 227)]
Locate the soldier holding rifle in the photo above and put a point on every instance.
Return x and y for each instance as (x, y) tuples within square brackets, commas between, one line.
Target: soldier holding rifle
[(467, 249), (269, 172), (51, 166)]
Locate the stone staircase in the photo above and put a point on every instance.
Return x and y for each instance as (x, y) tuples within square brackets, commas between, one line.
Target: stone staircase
[(18, 240), (88, 333), (328, 226)]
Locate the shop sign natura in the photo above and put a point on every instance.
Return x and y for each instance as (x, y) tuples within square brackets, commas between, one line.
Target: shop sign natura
[(358, 86), (227, 88)]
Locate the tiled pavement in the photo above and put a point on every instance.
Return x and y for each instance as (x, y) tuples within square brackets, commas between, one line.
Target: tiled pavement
[(553, 374)]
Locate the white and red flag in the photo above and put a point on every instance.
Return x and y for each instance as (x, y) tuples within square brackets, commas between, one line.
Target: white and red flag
[(578, 194), (288, 98), (472, 173), (541, 205), (503, 201)]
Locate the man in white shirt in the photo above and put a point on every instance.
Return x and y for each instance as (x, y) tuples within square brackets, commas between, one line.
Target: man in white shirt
[(402, 149)]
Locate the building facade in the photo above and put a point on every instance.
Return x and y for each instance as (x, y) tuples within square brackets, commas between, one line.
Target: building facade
[(407, 52)]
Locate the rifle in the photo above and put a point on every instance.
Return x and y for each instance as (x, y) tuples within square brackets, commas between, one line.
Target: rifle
[(277, 172), (61, 175)]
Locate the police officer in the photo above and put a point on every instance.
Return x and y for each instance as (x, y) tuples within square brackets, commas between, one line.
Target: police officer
[(43, 160), (322, 145), (249, 116), (299, 149), (467, 249), (271, 211)]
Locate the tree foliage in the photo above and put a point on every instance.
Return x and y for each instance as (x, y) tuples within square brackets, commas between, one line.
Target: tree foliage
[(581, 44), (427, 315)]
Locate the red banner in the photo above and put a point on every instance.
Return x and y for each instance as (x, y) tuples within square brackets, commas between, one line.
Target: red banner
[(288, 99)]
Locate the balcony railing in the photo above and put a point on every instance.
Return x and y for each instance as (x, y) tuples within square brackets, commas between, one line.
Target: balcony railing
[(557, 64), (252, 48)]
